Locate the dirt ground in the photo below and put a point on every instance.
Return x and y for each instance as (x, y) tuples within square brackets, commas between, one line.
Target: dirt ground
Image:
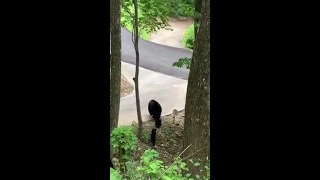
[(168, 138), (126, 87)]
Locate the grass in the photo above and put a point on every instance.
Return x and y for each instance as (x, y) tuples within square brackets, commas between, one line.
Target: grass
[(143, 34)]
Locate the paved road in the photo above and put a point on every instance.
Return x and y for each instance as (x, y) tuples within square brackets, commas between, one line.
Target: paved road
[(154, 57), (169, 91), (158, 79)]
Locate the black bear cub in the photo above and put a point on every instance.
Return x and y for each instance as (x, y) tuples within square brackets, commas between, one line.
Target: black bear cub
[(155, 111)]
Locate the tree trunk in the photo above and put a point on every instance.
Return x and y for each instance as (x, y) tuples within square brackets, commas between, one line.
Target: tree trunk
[(121, 159), (136, 78), (197, 109), (115, 63), (197, 7)]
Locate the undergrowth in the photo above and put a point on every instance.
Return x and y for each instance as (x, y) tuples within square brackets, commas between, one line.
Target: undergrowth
[(188, 37), (148, 166)]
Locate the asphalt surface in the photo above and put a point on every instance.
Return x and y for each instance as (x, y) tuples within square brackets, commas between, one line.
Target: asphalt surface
[(153, 56)]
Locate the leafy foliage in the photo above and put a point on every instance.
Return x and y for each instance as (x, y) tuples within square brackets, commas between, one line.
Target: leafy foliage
[(183, 62), (188, 42), (123, 137), (115, 174), (188, 37), (153, 15), (149, 166), (127, 20), (181, 8)]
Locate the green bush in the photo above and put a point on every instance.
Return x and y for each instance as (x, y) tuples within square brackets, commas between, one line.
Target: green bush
[(181, 8), (188, 37), (114, 174), (127, 22), (149, 166), (123, 137)]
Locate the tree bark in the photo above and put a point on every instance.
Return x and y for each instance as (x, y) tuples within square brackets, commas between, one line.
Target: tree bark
[(197, 7), (197, 109), (136, 78), (115, 63)]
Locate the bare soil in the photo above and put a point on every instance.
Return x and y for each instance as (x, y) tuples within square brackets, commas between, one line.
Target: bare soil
[(126, 87), (168, 138)]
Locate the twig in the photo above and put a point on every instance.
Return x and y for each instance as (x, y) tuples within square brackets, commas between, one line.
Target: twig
[(181, 159), (192, 154), (184, 150), (173, 162)]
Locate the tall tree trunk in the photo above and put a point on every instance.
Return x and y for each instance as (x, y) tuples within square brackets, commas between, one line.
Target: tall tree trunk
[(136, 78), (197, 110), (197, 7), (115, 63)]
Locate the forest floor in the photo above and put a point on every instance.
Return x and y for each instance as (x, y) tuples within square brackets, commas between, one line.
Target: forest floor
[(168, 137), (126, 87)]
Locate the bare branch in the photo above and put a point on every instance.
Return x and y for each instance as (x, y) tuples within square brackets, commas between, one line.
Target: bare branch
[(181, 159), (173, 162), (193, 154)]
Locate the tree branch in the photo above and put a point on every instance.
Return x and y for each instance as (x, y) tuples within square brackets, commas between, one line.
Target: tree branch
[(173, 162)]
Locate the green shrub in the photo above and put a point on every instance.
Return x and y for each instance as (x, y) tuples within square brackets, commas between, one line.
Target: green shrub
[(115, 174), (123, 137), (127, 22), (188, 37), (181, 8), (149, 166)]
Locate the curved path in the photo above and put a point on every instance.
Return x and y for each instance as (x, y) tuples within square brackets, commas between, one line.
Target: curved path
[(158, 79), (153, 56), (174, 36)]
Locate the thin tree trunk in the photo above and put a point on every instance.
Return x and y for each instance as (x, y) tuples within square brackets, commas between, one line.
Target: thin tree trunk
[(121, 159), (197, 110), (136, 79), (115, 63)]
